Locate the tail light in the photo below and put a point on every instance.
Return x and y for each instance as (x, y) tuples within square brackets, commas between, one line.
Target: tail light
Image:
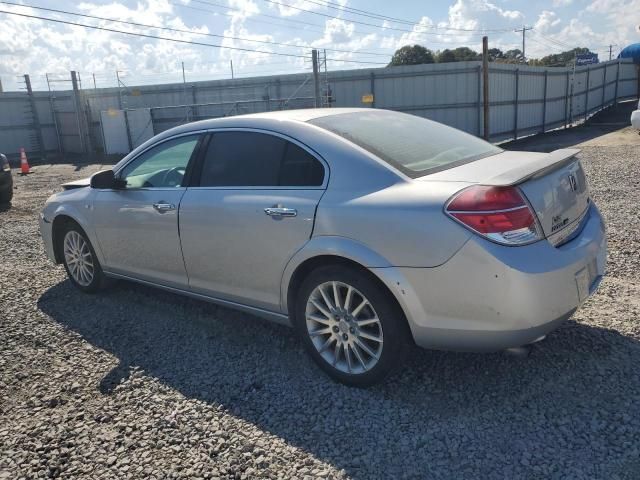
[(500, 214)]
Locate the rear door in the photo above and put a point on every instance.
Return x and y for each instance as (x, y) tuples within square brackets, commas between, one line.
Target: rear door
[(252, 206)]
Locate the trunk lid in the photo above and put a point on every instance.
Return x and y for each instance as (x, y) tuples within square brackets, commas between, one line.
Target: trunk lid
[(554, 184)]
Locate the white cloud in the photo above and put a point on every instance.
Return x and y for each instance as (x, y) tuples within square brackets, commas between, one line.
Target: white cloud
[(289, 8), (463, 16), (479, 14), (342, 35), (547, 20), (602, 23), (37, 47), (34, 46)]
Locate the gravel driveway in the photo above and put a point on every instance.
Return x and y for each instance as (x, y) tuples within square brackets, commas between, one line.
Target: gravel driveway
[(137, 383)]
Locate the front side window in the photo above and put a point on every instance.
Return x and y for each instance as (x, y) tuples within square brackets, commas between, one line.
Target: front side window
[(252, 159), (414, 145), (161, 166)]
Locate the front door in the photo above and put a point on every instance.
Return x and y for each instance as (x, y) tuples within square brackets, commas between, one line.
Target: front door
[(253, 208), (137, 226)]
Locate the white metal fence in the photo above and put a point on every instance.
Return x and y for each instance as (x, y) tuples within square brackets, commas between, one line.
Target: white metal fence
[(522, 100)]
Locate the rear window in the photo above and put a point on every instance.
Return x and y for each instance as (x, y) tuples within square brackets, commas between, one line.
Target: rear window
[(414, 145)]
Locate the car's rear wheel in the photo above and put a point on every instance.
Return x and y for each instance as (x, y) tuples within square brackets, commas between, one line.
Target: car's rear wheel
[(350, 325), (80, 260)]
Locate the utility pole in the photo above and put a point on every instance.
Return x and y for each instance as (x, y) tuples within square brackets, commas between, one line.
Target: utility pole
[(485, 85), (36, 118), (231, 62), (54, 114), (122, 106), (120, 102), (78, 105), (316, 78), (523, 30), (94, 81), (184, 94)]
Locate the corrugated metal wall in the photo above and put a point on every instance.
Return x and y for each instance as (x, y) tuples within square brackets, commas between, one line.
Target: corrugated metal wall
[(523, 99)]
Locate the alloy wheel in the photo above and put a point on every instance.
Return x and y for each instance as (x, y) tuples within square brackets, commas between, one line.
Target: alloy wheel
[(78, 258), (344, 327)]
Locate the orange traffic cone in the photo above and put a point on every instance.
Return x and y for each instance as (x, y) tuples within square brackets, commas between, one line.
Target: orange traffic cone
[(24, 164)]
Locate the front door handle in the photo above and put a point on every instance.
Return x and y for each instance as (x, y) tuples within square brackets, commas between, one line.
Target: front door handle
[(280, 212), (164, 207)]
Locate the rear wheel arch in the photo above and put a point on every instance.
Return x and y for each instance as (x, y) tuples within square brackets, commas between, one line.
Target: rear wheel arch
[(308, 266)]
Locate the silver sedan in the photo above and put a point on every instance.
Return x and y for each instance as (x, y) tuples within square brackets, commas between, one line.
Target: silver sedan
[(366, 230)]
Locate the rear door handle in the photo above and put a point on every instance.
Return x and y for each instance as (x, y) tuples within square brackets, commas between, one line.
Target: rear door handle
[(280, 212), (164, 207)]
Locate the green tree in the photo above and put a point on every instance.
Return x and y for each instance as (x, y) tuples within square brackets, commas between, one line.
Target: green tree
[(513, 56), (495, 54), (465, 54), (446, 56), (460, 54), (564, 59), (412, 55)]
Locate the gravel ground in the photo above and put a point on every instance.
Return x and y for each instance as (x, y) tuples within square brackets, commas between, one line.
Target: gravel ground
[(137, 383)]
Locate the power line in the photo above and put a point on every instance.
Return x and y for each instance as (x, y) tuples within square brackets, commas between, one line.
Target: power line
[(365, 13), (319, 28), (546, 44), (199, 9), (357, 11), (362, 23), (157, 37), (177, 30), (554, 41)]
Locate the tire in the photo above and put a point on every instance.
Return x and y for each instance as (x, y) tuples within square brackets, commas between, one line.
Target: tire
[(350, 331), (85, 273), (6, 197)]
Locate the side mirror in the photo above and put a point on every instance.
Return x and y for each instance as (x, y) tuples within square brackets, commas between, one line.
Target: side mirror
[(107, 180)]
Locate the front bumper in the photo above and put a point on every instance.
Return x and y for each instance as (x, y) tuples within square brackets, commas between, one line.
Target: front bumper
[(490, 297), (46, 228)]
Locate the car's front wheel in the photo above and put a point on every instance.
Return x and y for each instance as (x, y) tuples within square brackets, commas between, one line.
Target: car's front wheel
[(80, 260), (349, 324)]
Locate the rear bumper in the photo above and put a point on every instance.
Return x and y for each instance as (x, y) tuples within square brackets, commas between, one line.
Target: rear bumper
[(490, 297)]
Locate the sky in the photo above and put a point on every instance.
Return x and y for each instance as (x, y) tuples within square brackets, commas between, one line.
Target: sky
[(277, 35)]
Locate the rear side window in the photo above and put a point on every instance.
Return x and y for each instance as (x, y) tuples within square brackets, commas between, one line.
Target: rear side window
[(251, 159), (299, 168)]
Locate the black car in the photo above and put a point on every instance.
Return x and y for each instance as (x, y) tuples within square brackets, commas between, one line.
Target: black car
[(6, 181)]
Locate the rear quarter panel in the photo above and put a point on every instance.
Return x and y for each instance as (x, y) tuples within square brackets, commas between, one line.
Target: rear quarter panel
[(403, 223)]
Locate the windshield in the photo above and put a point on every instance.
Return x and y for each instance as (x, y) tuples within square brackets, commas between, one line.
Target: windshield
[(414, 145)]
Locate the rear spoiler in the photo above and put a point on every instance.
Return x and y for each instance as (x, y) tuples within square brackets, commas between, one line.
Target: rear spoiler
[(85, 182), (529, 170)]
